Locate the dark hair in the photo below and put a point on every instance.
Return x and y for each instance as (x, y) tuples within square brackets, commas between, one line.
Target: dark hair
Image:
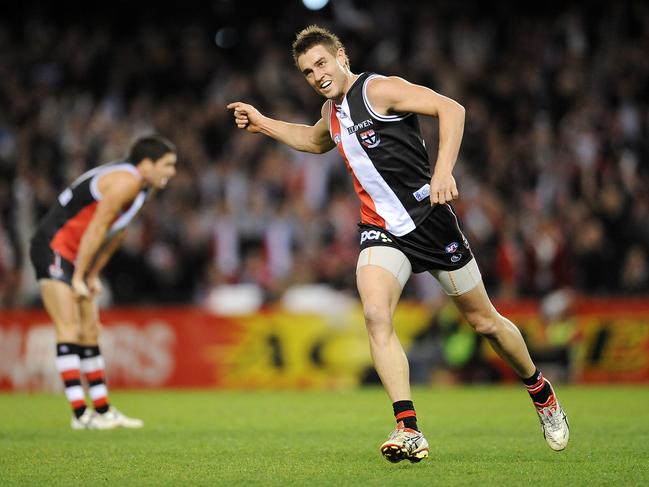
[(314, 35), (150, 147)]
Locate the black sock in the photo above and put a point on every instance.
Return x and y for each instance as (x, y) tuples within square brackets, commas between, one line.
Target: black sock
[(405, 411), (538, 387)]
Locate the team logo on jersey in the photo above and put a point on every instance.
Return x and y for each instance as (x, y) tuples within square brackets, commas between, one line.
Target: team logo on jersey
[(370, 138), (374, 235), (452, 247), (336, 139)]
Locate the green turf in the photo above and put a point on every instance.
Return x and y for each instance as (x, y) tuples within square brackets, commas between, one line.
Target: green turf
[(479, 436)]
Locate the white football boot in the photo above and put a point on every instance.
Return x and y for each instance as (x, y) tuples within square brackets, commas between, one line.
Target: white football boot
[(405, 444), (554, 423), (116, 417), (90, 420)]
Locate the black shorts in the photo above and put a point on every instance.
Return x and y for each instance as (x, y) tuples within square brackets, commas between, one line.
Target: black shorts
[(436, 244), (48, 264)]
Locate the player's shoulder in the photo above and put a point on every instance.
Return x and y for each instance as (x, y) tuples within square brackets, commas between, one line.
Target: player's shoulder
[(385, 93), (379, 84), (121, 168), (122, 179)]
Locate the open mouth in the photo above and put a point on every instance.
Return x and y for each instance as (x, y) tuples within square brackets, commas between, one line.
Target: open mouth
[(326, 84)]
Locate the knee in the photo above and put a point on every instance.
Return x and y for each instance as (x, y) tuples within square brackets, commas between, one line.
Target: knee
[(377, 321), (486, 324)]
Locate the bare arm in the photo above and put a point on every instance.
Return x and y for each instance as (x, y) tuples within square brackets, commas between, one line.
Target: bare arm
[(305, 138), (104, 255), (118, 190), (396, 95)]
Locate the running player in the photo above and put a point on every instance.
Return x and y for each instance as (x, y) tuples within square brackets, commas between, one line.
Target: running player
[(71, 246), (407, 223)]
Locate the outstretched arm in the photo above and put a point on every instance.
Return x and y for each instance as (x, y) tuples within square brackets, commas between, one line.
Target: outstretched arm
[(396, 95), (305, 138)]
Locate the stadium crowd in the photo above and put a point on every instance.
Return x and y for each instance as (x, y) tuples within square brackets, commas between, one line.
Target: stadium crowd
[(553, 173)]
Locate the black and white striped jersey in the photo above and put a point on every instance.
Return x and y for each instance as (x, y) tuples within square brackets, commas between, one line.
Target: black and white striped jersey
[(387, 159), (63, 226)]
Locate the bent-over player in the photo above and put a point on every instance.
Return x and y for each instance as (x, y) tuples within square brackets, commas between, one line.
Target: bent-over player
[(70, 247)]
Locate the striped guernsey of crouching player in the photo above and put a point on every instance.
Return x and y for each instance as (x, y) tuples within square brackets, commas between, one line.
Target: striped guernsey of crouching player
[(407, 223)]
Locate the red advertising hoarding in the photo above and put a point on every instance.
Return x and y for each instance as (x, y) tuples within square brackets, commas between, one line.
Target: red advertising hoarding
[(598, 341)]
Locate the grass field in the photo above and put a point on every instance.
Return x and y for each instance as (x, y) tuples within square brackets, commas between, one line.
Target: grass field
[(479, 436)]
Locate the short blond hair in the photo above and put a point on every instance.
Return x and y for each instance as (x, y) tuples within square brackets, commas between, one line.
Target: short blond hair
[(315, 35)]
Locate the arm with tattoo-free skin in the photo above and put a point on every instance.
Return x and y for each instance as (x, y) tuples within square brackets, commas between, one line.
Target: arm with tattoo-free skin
[(394, 95), (305, 138), (105, 253), (118, 190)]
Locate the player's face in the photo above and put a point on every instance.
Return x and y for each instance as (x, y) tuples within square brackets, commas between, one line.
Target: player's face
[(326, 73), (163, 170)]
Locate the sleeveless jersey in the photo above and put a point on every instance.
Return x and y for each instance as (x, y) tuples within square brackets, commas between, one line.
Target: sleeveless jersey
[(387, 159), (64, 224)]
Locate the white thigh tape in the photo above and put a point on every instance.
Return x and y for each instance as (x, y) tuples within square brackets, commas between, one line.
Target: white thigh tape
[(391, 259), (459, 281)]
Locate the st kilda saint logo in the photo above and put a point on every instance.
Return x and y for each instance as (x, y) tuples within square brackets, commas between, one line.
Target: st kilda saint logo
[(370, 138)]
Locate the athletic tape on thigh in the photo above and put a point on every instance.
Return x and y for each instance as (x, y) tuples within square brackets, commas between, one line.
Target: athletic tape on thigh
[(391, 259), (459, 281)]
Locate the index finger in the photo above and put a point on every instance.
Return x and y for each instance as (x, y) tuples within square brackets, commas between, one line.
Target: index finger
[(233, 105)]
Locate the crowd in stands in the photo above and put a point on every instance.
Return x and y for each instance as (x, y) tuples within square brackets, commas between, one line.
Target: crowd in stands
[(553, 172)]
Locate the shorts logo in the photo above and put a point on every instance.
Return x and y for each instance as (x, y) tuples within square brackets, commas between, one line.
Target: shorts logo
[(456, 258), (337, 139), (452, 247), (465, 241), (374, 235), (55, 269), (370, 139)]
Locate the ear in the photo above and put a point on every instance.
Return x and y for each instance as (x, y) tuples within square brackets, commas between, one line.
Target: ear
[(341, 55)]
